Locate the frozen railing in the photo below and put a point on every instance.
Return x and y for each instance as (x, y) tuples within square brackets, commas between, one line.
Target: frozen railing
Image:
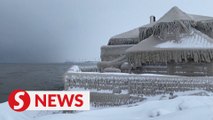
[(110, 99), (140, 83), (135, 85), (89, 68)]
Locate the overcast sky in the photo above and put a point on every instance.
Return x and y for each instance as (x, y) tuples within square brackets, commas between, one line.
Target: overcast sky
[(74, 30)]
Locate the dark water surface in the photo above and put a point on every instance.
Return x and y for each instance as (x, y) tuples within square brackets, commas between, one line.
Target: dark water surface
[(31, 77)]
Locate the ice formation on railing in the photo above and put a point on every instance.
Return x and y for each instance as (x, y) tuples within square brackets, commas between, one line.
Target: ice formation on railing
[(134, 86)]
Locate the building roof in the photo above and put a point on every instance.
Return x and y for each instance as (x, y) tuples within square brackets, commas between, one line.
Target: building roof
[(195, 40), (134, 36), (196, 45), (174, 14)]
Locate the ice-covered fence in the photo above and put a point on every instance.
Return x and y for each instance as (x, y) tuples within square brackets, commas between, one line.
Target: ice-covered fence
[(161, 85), (137, 84), (98, 81), (110, 99), (89, 68), (133, 84)]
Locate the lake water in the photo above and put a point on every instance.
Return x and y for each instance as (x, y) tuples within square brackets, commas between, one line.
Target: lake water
[(30, 77)]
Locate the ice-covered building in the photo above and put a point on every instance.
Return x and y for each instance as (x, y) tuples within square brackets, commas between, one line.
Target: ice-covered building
[(178, 43)]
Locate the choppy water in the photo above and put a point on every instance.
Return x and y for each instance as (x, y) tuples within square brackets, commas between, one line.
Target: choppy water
[(30, 77)]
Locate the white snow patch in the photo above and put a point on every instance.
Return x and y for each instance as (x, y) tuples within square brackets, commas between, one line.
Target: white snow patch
[(74, 68)]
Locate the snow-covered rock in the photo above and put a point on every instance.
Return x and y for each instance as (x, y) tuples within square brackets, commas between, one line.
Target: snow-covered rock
[(74, 68)]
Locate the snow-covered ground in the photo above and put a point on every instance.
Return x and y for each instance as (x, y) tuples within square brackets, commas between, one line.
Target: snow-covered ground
[(187, 106)]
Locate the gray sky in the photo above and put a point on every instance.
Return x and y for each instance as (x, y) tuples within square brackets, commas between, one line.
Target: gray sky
[(61, 30)]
